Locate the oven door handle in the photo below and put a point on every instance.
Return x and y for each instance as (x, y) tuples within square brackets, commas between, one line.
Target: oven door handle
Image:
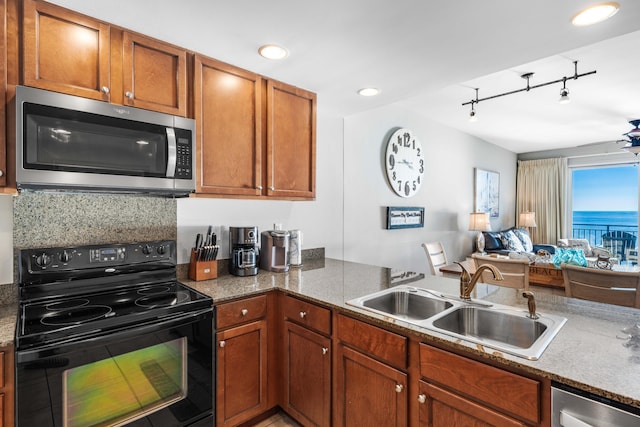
[(61, 347)]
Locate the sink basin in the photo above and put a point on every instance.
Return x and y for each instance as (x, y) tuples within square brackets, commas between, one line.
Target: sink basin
[(407, 304), (404, 303), (501, 327), (492, 325), (508, 330)]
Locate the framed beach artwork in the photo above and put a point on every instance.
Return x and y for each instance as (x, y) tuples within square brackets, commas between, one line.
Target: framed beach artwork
[(487, 192)]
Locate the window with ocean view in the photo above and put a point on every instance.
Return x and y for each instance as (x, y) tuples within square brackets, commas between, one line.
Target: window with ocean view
[(605, 207)]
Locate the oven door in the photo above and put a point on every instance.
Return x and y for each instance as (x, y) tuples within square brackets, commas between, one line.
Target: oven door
[(154, 375)]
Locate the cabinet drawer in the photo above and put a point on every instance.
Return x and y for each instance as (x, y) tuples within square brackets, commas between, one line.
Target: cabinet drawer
[(501, 389), (382, 344), (307, 314), (244, 310)]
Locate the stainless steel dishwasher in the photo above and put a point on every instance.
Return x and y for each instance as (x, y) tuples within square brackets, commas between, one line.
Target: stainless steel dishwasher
[(576, 408)]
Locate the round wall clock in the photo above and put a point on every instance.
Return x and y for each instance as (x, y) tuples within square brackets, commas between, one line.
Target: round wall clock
[(404, 163)]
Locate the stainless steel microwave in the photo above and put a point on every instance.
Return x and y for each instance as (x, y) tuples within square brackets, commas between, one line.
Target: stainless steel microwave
[(65, 142)]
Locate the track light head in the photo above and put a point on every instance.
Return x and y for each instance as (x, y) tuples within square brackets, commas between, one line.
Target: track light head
[(472, 116), (564, 96)]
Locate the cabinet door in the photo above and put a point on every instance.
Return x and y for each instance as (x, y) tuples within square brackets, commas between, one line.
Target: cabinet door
[(307, 375), (65, 51), (3, 89), (441, 408), (154, 75), (241, 390), (291, 141), (229, 119), (368, 392)]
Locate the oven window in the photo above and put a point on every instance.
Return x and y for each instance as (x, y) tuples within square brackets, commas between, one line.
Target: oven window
[(76, 141), (122, 388)]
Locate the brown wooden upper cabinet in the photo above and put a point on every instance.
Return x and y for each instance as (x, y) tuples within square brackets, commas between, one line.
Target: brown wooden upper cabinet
[(256, 137), (228, 113), (68, 52), (291, 141)]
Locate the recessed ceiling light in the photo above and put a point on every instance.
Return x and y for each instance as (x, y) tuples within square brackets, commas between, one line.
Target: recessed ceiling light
[(369, 91), (596, 13), (273, 51)]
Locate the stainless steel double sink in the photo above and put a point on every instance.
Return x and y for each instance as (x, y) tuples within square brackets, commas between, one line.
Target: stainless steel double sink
[(501, 327)]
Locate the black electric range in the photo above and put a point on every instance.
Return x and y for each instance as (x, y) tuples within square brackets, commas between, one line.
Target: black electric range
[(74, 293)]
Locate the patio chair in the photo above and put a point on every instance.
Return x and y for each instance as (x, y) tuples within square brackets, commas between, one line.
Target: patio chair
[(610, 287), (617, 243), (436, 256)]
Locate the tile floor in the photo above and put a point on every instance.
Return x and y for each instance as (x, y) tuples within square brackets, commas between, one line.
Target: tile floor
[(278, 420)]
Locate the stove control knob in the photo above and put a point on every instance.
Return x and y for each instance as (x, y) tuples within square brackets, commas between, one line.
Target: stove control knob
[(43, 260), (161, 250), (65, 257), (146, 249)]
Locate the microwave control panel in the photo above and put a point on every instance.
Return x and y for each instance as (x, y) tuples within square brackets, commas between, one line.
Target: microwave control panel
[(184, 160)]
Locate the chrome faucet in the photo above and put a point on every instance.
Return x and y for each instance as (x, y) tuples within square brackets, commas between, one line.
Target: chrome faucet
[(531, 302), (468, 282)]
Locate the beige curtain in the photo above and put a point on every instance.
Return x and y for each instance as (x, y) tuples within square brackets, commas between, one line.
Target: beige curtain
[(541, 187)]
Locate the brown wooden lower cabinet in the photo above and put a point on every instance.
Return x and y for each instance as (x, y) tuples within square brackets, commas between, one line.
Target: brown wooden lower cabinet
[(375, 377), (241, 390), (6, 387), (442, 408), (369, 392), (307, 376)]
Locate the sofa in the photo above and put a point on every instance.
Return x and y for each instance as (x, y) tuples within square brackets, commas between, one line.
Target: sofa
[(512, 240)]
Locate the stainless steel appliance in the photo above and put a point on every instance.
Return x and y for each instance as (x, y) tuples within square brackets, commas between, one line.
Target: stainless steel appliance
[(243, 250), (575, 408), (107, 336), (73, 143), (275, 251)]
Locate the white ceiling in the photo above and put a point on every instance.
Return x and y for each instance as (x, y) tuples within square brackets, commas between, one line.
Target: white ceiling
[(424, 55)]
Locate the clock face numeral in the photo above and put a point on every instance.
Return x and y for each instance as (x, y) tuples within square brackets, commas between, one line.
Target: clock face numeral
[(405, 164)]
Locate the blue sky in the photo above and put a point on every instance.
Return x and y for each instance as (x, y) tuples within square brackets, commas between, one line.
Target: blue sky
[(605, 189)]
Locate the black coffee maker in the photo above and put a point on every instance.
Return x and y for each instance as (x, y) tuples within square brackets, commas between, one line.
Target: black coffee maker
[(243, 251)]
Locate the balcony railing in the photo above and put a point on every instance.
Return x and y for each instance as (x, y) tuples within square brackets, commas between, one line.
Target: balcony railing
[(594, 233)]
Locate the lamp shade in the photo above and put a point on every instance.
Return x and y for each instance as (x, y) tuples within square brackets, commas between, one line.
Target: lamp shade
[(479, 221), (527, 219)]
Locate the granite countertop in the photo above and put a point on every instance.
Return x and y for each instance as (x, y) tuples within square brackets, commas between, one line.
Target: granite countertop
[(586, 353)]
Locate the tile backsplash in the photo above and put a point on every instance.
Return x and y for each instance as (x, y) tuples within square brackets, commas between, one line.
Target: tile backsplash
[(67, 219)]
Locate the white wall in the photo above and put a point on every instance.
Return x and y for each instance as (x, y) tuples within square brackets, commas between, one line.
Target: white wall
[(320, 220), (446, 194)]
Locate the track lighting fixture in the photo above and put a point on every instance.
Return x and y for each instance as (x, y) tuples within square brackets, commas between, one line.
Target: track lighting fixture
[(633, 143), (472, 114), (564, 92)]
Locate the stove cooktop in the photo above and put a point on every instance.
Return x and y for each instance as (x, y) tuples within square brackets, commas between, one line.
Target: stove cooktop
[(52, 320), (74, 293)]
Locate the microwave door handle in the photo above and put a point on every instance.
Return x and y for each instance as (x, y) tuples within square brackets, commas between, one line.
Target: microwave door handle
[(172, 153)]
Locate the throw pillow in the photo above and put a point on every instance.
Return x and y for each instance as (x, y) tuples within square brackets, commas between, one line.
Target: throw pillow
[(581, 244), (524, 237), (492, 241), (511, 242)]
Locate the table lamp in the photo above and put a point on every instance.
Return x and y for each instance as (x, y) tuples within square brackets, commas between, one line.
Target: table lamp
[(479, 221), (528, 220)]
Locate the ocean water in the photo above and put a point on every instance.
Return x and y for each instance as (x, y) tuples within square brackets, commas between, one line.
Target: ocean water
[(591, 225), (625, 219)]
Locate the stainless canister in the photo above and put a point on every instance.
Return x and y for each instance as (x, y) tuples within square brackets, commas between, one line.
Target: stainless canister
[(295, 248)]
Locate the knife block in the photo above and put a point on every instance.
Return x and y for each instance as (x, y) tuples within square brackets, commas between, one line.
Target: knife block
[(202, 270)]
